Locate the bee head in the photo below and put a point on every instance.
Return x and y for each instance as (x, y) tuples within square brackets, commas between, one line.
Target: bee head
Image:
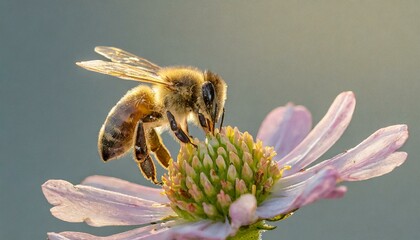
[(213, 95)]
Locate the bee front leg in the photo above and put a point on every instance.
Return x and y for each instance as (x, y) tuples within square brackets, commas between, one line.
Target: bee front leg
[(185, 126), (203, 122), (177, 130), (221, 121), (141, 155)]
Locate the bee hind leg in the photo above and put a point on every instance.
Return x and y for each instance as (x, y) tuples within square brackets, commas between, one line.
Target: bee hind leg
[(158, 148), (177, 130), (141, 154)]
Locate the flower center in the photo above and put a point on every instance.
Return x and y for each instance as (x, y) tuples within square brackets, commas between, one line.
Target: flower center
[(206, 180)]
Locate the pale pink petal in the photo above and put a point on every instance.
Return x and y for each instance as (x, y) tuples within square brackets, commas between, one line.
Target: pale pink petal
[(378, 168), (242, 211), (206, 230), (98, 207), (295, 192), (316, 190), (150, 232), (371, 158), (338, 192), (125, 187), (323, 136), (73, 236), (285, 127), (58, 236)]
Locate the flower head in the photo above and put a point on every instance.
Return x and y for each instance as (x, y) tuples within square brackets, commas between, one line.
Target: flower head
[(205, 181), (230, 181)]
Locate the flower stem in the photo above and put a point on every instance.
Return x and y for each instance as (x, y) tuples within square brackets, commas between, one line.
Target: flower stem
[(252, 232)]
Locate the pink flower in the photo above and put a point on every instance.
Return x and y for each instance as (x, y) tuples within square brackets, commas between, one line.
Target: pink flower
[(105, 201)]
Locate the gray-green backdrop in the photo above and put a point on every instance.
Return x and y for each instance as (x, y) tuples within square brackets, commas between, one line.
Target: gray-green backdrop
[(269, 52)]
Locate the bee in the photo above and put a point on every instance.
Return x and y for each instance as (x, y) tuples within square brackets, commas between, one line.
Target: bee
[(178, 95)]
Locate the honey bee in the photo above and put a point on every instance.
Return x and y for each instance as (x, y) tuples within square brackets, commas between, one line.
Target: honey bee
[(177, 95)]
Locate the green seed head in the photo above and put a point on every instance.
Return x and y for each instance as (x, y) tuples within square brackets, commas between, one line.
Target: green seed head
[(205, 180)]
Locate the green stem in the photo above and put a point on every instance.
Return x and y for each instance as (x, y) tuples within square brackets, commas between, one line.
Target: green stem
[(253, 232)]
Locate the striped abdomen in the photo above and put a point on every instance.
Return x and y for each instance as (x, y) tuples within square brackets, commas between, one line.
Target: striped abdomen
[(117, 133)]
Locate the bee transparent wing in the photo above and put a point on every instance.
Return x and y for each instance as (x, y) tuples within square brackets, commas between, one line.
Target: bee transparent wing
[(123, 71), (121, 56)]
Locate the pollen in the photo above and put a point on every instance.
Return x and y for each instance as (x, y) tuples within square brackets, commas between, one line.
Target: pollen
[(205, 180)]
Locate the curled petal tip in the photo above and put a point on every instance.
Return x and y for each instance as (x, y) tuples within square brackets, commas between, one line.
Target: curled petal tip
[(242, 211), (338, 192)]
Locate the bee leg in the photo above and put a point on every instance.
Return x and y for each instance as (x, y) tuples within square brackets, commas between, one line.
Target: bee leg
[(223, 118), (179, 133), (187, 131), (157, 147), (203, 122), (185, 126), (141, 155)]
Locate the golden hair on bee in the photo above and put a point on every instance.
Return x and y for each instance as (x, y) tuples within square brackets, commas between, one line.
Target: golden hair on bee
[(177, 94)]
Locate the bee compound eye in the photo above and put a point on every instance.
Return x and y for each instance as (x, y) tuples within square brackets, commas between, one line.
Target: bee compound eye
[(208, 93)]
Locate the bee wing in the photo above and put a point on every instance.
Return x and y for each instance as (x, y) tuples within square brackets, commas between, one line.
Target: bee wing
[(121, 56), (123, 71)]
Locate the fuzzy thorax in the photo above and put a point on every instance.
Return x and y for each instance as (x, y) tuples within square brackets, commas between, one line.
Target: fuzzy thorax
[(205, 181)]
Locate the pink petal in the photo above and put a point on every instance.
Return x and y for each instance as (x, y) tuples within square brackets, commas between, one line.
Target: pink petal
[(155, 231), (379, 168), (285, 127), (99, 207), (323, 136), (206, 230), (316, 190), (338, 192), (58, 236), (296, 191), (371, 158), (72, 236), (242, 211), (125, 187)]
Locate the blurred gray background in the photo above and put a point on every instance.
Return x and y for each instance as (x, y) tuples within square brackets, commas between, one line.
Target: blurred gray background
[(269, 52)]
